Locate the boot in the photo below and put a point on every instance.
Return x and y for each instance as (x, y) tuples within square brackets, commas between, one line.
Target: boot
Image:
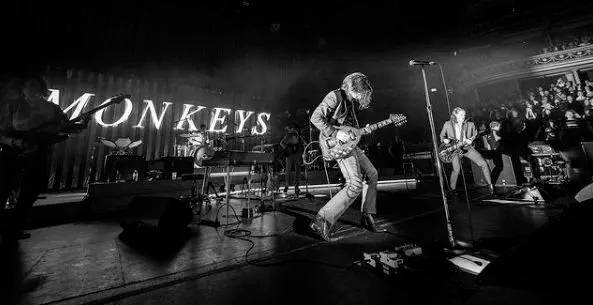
[(297, 191), (368, 222), (321, 228)]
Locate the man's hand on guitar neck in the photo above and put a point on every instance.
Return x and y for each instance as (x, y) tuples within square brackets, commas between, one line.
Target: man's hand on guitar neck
[(465, 141)]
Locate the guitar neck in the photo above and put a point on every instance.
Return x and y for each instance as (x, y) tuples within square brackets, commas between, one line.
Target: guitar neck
[(114, 101), (378, 125)]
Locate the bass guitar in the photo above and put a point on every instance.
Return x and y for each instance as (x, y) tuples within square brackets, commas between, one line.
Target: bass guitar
[(27, 141), (332, 148)]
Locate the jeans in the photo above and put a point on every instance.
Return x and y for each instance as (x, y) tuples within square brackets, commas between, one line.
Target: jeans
[(28, 175), (475, 156), (354, 168), (293, 160)]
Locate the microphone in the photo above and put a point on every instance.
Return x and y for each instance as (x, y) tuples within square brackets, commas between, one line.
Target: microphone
[(414, 62)]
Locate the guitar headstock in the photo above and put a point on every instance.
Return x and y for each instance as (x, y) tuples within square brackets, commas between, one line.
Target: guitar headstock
[(120, 98), (398, 119)]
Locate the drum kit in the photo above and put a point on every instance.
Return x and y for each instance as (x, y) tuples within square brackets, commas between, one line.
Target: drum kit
[(198, 145), (201, 145)]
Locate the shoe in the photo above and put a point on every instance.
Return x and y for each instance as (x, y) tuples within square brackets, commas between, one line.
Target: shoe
[(285, 189), (368, 222), (297, 191), (321, 228)]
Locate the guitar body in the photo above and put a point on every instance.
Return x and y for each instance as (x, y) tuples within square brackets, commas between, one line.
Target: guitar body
[(447, 152), (333, 149)]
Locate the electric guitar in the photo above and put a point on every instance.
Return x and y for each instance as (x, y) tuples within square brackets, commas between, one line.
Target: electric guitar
[(332, 148), (24, 142), (449, 151)]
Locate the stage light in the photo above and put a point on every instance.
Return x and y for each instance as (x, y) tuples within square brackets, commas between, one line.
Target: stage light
[(54, 96), (243, 119), (123, 118), (261, 123), (217, 118), (79, 103), (187, 117), (157, 120)]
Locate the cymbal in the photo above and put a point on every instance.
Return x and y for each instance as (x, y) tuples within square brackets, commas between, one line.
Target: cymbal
[(190, 135), (263, 146), (240, 136)]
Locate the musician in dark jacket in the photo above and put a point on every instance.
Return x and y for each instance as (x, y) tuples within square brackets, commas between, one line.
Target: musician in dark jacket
[(27, 120), (458, 130), (339, 108)]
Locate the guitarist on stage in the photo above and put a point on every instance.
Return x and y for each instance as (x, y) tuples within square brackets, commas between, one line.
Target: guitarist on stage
[(339, 107), (458, 130), (27, 122)]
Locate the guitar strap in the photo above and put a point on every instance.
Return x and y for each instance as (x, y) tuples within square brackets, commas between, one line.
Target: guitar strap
[(341, 95)]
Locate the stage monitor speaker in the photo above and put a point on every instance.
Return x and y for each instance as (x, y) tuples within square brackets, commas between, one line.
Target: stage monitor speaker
[(171, 214), (180, 165), (585, 193), (124, 167), (506, 177)]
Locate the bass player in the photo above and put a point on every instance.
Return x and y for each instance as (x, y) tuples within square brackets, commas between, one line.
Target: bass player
[(27, 121), (456, 130), (339, 108)]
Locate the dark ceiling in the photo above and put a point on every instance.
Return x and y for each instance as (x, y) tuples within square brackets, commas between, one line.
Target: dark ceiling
[(103, 32)]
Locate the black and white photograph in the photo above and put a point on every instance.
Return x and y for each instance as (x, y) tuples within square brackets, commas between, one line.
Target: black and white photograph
[(296, 152)]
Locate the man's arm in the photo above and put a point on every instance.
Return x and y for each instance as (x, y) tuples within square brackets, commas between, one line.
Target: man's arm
[(471, 131), (319, 116)]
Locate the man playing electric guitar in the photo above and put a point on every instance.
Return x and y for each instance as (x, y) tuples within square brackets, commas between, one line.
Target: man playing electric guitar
[(28, 123), (459, 131), (339, 108)]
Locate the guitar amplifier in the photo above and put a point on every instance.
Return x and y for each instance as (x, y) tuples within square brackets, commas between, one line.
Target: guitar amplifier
[(506, 177), (180, 165)]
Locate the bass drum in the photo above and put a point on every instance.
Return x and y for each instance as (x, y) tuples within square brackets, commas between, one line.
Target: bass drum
[(203, 152)]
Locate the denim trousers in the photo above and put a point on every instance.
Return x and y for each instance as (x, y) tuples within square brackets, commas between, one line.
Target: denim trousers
[(293, 160), (475, 157), (359, 173)]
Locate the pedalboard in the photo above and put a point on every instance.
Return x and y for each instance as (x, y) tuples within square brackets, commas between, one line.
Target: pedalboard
[(391, 262)]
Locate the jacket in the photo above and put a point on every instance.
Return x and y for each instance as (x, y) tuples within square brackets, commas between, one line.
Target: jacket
[(331, 112), (468, 130)]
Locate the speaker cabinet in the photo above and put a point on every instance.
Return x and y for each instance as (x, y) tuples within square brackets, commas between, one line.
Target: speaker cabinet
[(506, 177), (123, 167)]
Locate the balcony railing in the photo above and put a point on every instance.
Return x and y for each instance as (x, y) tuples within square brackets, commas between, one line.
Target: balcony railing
[(531, 65)]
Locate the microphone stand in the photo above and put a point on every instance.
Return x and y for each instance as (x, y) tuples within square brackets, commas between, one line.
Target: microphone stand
[(307, 194), (450, 237), (469, 208)]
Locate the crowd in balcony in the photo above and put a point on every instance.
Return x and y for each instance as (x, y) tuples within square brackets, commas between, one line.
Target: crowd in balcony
[(575, 42), (560, 115)]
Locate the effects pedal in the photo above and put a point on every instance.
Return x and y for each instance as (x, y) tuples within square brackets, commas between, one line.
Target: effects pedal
[(391, 262)]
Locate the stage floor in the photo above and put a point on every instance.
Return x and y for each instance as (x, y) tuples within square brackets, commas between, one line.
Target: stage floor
[(85, 262)]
